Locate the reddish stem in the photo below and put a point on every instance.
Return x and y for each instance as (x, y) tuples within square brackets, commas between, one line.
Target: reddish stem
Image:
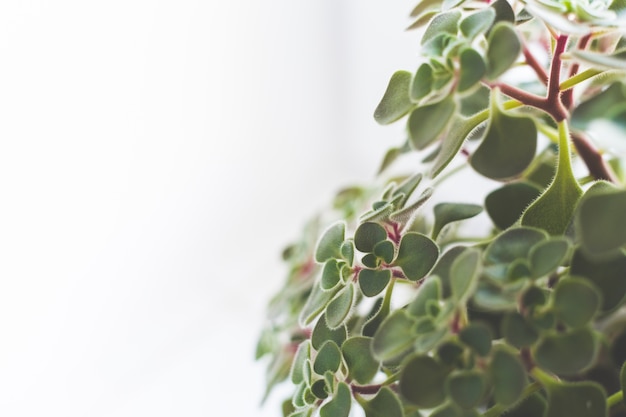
[(568, 96), (597, 166), (535, 65)]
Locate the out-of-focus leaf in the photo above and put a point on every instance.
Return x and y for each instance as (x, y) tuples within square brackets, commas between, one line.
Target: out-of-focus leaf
[(421, 84), (430, 290), (477, 23), (472, 70), (393, 336), (422, 381), (322, 333), (396, 101), (442, 23), (302, 354), (464, 274), (385, 404), (339, 405), (460, 129), (600, 223), (576, 301), (357, 352), (329, 245), (576, 399), (566, 353), (508, 376), (545, 257), (466, 388), (503, 48), (446, 213), (513, 244), (477, 336), (506, 204), (426, 123)]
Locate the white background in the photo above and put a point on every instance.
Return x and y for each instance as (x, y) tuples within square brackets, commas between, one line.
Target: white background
[(155, 157)]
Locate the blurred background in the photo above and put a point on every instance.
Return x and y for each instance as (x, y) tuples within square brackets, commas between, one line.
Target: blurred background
[(155, 158)]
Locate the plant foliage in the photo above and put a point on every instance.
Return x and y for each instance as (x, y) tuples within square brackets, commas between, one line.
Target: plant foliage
[(390, 308)]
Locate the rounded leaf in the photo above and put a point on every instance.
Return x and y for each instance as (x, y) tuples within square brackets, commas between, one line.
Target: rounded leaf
[(385, 251), (508, 376), (430, 290), (566, 353), (517, 331), (503, 48), (506, 204), (322, 333), (328, 358), (473, 68), (422, 382), (422, 82), (513, 244), (477, 336), (444, 23), (340, 307), (466, 388), (600, 223), (339, 405), (477, 23), (426, 123), (464, 274), (331, 274), (576, 399), (446, 213), (417, 255), (372, 281), (576, 301), (357, 353), (385, 404), (396, 101), (367, 235), (393, 336), (329, 245), (302, 354), (545, 257)]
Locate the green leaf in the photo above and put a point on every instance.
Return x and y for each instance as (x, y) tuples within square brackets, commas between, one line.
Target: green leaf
[(328, 358), (339, 405), (430, 290), (622, 378), (508, 147), (477, 23), (426, 123), (466, 388), (367, 235), (302, 354), (315, 304), (407, 187), (322, 333), (417, 255), (444, 23), (331, 274), (605, 61), (472, 68), (385, 404), (357, 352), (533, 405), (508, 376), (372, 281), (347, 251), (446, 213), (576, 399), (392, 337), (421, 84), (503, 48), (600, 223), (385, 251), (506, 204), (422, 381), (554, 209), (464, 274), (460, 129), (442, 268), (504, 11), (340, 307), (396, 101), (576, 301), (566, 353), (513, 244), (607, 275), (545, 257), (477, 336), (318, 388), (329, 245), (517, 331)]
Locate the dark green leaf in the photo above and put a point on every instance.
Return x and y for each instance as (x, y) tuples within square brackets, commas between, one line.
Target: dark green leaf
[(576, 399), (477, 23), (357, 352), (508, 147), (430, 290), (466, 388), (339, 308), (331, 274), (329, 246), (339, 405), (422, 381), (508, 376), (421, 85), (533, 405), (503, 48), (446, 213), (444, 23), (322, 333), (545, 257), (416, 255), (517, 331), (367, 235), (600, 223), (372, 281), (477, 336), (442, 268), (504, 11), (396, 101), (384, 404), (566, 353), (460, 129), (607, 275), (576, 301), (513, 244), (328, 358), (347, 251), (464, 274), (426, 123), (315, 304), (472, 70), (393, 336), (385, 251)]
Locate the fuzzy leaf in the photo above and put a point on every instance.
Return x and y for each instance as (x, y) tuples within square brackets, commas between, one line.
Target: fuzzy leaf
[(396, 101), (473, 68), (600, 223), (576, 301), (331, 274), (430, 290), (466, 388), (328, 358), (566, 353), (329, 245), (545, 257), (302, 354), (506, 204), (576, 399), (503, 48), (372, 281), (464, 274), (357, 352), (446, 213), (444, 23), (339, 308), (417, 255), (508, 376), (513, 244), (477, 23), (322, 333), (460, 129), (339, 405), (421, 84), (426, 123), (508, 147), (392, 337), (367, 235), (422, 382)]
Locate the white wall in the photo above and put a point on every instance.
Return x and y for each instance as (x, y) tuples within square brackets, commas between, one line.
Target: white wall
[(155, 156)]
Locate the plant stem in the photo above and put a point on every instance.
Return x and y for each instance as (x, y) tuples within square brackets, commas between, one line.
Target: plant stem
[(557, 110), (535, 65), (542, 377), (579, 78), (499, 409), (597, 166), (615, 399), (568, 96)]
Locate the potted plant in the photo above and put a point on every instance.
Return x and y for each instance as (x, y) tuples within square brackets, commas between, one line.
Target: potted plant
[(390, 305)]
